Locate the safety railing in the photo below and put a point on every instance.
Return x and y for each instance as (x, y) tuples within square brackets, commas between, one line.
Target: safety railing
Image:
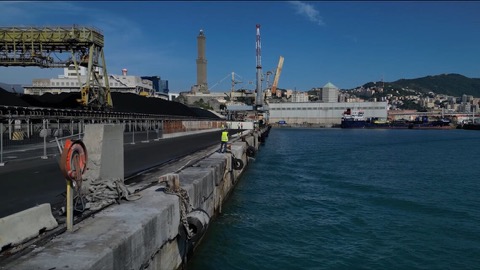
[(16, 134)]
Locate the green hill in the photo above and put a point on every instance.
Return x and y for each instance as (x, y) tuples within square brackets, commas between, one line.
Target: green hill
[(448, 84)]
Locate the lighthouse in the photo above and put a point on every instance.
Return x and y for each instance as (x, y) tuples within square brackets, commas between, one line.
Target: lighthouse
[(201, 64)]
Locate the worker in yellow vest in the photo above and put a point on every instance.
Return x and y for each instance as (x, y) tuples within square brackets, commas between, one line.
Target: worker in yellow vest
[(223, 145)]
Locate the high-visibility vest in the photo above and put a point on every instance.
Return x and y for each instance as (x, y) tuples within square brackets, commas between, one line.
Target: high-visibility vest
[(224, 136)]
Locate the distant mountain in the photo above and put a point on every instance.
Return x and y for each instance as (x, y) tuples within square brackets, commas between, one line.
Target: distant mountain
[(9, 87), (448, 84)]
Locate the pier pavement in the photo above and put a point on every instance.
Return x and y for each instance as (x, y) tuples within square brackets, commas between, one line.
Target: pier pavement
[(146, 234)]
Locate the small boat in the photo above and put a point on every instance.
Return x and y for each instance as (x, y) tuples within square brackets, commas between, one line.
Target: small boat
[(353, 119)]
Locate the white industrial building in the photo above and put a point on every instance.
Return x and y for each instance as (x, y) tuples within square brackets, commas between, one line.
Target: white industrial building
[(299, 97), (69, 82), (322, 113)]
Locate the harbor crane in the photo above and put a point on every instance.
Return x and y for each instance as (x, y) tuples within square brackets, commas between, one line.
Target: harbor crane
[(277, 75), (34, 46)]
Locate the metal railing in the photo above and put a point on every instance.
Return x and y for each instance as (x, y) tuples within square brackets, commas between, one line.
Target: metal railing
[(18, 133)]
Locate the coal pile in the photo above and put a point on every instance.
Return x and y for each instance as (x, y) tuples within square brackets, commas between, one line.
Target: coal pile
[(203, 113), (59, 101), (11, 99), (128, 102), (122, 102)]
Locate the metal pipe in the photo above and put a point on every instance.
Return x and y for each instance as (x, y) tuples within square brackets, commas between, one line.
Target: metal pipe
[(83, 129), (148, 128), (161, 128), (10, 128), (1, 145), (44, 140), (61, 138), (69, 206), (133, 134), (28, 128)]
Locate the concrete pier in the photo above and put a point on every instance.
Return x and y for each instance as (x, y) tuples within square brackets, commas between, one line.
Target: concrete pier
[(148, 233)]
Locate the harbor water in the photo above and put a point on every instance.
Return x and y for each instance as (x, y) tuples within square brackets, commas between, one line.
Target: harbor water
[(352, 199)]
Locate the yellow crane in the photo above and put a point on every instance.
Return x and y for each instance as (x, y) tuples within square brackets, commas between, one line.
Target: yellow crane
[(277, 75)]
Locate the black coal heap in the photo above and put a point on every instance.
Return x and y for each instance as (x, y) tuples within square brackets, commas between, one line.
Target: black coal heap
[(128, 102), (11, 99), (122, 102), (59, 101), (203, 113)]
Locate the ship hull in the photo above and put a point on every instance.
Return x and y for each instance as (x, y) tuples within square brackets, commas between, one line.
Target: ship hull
[(370, 125), (471, 126)]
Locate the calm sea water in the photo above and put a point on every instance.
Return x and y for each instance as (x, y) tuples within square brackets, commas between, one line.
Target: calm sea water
[(352, 199)]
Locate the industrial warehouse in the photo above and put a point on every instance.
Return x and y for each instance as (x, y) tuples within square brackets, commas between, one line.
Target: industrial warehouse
[(321, 114)]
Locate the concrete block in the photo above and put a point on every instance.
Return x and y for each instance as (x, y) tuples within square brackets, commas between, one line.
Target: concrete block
[(104, 143), (124, 236), (217, 164), (251, 141), (238, 149), (25, 225), (199, 182)]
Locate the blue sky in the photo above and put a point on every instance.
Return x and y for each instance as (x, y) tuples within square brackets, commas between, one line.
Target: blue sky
[(345, 43)]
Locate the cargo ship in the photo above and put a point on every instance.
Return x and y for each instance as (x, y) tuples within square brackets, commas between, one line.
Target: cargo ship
[(356, 119), (471, 126)]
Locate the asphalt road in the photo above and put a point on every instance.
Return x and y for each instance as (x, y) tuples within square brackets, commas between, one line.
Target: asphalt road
[(27, 180)]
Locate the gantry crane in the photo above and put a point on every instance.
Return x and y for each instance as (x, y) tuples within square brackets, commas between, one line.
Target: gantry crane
[(277, 75), (33, 46)]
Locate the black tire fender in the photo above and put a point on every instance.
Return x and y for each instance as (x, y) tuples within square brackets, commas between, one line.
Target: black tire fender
[(251, 151), (237, 163), (197, 222)]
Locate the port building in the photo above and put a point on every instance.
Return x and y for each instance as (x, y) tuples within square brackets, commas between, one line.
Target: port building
[(329, 93), (152, 86), (322, 113), (327, 112)]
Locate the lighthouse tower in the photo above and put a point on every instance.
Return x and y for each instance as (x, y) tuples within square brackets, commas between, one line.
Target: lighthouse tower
[(201, 64)]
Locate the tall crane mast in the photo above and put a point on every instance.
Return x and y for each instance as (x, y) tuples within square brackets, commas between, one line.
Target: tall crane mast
[(259, 99), (277, 75)]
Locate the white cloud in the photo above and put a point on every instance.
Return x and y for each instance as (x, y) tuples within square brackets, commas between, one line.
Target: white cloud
[(308, 11)]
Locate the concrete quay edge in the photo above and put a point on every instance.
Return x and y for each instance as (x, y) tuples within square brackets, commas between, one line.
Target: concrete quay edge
[(147, 233)]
